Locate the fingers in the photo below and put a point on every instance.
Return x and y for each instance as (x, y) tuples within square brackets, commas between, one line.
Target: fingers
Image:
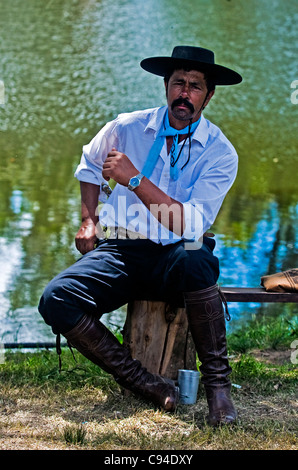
[(113, 153), (86, 238), (110, 167), (118, 167), (84, 246)]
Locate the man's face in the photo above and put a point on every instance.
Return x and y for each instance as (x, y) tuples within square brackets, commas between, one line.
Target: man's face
[(186, 94)]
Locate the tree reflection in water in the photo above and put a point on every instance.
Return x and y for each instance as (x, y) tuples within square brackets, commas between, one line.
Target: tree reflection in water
[(65, 76)]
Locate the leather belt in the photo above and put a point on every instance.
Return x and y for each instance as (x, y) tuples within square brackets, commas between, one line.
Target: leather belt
[(123, 233)]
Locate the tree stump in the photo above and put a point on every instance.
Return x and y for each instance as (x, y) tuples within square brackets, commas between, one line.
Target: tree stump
[(158, 336)]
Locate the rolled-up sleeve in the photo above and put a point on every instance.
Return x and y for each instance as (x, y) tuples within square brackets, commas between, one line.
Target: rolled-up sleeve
[(94, 154)]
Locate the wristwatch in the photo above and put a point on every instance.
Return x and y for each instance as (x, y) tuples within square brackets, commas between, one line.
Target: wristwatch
[(135, 181)]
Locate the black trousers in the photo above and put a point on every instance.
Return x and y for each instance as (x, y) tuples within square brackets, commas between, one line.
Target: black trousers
[(121, 270)]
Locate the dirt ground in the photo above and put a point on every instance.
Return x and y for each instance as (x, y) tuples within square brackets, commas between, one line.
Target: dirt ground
[(36, 421)]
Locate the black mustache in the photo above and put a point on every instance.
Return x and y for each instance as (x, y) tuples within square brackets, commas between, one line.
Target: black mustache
[(179, 101)]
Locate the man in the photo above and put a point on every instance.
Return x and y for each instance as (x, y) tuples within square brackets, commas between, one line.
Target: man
[(173, 169)]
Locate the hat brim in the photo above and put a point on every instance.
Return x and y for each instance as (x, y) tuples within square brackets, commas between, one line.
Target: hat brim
[(218, 73)]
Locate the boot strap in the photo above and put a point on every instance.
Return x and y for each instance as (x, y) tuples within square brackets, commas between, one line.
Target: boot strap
[(58, 350), (224, 301)]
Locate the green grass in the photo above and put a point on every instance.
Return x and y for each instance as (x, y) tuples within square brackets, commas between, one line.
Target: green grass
[(83, 408), (75, 433), (266, 333)]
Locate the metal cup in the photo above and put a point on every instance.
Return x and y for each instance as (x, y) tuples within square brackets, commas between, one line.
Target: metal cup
[(188, 381)]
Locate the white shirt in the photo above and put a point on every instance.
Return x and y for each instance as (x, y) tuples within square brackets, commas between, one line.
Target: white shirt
[(201, 185)]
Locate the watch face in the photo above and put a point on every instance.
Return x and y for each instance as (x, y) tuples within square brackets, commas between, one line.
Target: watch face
[(134, 181)]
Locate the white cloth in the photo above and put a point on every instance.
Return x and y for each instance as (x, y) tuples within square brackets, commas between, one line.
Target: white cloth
[(201, 185)]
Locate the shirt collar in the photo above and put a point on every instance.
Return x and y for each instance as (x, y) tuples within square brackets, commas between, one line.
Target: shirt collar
[(201, 132), (157, 117)]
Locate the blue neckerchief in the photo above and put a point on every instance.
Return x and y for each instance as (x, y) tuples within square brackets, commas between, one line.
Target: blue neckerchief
[(165, 131)]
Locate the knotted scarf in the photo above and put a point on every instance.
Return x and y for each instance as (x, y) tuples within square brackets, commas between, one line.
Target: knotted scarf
[(167, 131)]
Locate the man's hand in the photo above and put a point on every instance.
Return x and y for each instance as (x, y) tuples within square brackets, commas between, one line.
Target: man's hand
[(87, 234), (86, 237), (118, 167)]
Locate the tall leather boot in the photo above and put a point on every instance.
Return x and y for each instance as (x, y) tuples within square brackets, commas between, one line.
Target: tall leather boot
[(92, 339), (207, 325)]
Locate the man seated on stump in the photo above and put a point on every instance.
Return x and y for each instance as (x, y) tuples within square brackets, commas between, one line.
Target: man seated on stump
[(173, 169)]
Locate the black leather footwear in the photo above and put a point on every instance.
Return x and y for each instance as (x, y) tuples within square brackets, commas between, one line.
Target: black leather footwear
[(92, 339), (207, 325)]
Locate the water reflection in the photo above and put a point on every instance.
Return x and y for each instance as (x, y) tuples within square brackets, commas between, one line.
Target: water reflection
[(70, 66)]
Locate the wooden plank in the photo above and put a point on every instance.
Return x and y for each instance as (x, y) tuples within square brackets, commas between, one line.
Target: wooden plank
[(257, 294)]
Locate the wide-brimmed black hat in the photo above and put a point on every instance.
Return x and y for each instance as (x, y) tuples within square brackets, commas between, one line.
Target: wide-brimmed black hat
[(192, 58)]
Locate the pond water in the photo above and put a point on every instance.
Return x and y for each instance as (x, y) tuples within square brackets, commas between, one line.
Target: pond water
[(68, 67)]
